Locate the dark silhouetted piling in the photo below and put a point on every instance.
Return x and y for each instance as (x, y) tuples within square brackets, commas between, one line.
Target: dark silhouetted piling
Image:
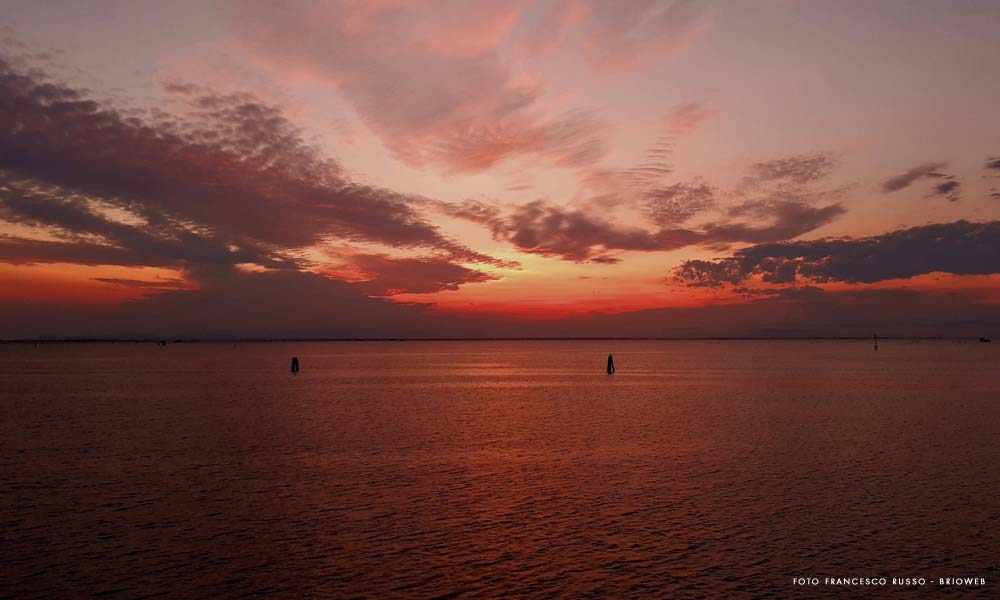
[(611, 364), (876, 341), (295, 364)]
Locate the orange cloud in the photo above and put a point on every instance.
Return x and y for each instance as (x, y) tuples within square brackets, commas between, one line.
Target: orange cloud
[(84, 284)]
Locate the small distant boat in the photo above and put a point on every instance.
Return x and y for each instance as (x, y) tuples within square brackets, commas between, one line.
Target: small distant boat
[(985, 340)]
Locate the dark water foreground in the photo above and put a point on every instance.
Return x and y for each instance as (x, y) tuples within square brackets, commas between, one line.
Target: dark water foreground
[(498, 469)]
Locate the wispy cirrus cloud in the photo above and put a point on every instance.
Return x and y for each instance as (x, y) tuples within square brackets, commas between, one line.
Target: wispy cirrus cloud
[(433, 82), (548, 28), (683, 119), (946, 186), (427, 79), (572, 139), (992, 168), (619, 35), (947, 189), (679, 122)]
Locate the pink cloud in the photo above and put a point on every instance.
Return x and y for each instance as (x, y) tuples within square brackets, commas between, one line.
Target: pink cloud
[(431, 79), (551, 26), (428, 82), (684, 119), (621, 34), (467, 29)]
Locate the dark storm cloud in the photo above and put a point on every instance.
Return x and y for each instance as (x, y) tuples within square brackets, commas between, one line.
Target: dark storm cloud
[(961, 248), (233, 171)]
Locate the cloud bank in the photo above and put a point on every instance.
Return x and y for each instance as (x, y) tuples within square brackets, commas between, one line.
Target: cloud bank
[(960, 248), (230, 183)]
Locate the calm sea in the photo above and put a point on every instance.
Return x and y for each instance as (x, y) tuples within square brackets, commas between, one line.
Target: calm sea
[(495, 469)]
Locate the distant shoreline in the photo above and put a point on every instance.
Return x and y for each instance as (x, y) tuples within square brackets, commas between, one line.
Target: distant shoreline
[(457, 339)]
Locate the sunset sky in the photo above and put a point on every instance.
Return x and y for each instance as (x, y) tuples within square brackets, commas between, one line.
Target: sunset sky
[(399, 168)]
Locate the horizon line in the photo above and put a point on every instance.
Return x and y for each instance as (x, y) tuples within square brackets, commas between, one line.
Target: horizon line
[(208, 340)]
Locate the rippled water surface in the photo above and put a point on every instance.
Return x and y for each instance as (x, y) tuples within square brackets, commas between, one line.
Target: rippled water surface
[(496, 469)]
